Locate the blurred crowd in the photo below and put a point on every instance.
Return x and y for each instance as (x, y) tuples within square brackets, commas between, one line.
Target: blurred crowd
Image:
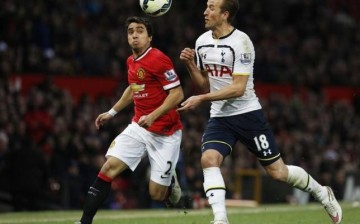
[(303, 42), (50, 151)]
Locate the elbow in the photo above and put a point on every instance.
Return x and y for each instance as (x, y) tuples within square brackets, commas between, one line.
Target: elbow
[(205, 87), (239, 93), (181, 97)]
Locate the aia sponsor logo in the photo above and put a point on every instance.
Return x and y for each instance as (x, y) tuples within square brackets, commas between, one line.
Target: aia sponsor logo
[(218, 70)]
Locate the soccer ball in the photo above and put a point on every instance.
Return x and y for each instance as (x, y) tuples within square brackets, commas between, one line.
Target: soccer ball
[(155, 7)]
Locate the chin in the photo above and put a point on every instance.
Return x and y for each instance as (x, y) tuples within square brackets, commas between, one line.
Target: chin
[(208, 27)]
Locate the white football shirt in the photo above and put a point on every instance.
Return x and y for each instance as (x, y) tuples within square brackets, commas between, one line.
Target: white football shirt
[(222, 58)]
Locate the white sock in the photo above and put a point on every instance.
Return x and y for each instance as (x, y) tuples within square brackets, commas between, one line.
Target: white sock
[(214, 187), (300, 179)]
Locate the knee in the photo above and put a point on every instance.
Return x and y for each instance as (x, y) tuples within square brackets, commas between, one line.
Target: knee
[(157, 195), (112, 167), (211, 158), (278, 174), (106, 167)]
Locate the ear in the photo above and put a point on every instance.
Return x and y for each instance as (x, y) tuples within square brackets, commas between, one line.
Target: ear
[(226, 15), (150, 38)]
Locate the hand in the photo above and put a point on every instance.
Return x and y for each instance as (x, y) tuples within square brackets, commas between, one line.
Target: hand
[(190, 104), (187, 55), (145, 121), (101, 119)]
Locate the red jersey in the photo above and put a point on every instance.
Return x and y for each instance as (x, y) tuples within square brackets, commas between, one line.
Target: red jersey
[(150, 76)]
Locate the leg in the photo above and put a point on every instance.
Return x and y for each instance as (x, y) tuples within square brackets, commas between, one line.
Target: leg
[(169, 194), (214, 184), (261, 142), (299, 178), (157, 191), (294, 175), (163, 154), (124, 152), (217, 143), (173, 195), (100, 189)]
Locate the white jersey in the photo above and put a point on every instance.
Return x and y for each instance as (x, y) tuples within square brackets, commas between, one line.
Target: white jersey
[(222, 58)]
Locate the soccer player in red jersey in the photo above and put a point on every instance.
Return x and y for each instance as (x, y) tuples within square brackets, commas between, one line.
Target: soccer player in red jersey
[(155, 130)]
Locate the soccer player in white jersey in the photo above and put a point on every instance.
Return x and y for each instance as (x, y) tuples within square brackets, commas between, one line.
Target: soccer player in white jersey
[(224, 70), (155, 89)]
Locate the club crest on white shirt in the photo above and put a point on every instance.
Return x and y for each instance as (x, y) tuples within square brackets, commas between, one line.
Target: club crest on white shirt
[(170, 75), (245, 58)]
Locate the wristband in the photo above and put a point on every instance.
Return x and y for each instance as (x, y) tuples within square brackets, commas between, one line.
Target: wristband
[(112, 112)]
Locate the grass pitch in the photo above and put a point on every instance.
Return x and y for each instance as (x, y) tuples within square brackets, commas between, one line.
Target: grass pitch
[(264, 214)]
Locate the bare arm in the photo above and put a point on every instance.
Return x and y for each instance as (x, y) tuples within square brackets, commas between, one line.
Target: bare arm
[(236, 89), (175, 96), (125, 100), (199, 77)]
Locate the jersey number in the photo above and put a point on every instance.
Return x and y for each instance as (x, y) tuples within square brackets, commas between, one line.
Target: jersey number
[(261, 142), (167, 172)]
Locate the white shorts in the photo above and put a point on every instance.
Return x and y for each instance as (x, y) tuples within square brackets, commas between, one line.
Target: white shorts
[(135, 142)]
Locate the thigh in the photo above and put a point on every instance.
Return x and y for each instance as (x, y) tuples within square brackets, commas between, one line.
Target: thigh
[(163, 152), (218, 136), (254, 132), (129, 146), (113, 167)]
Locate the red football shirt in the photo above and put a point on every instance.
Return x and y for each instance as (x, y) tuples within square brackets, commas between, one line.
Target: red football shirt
[(150, 76)]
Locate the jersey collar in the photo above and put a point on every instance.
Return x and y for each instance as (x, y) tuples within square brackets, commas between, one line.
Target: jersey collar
[(143, 54), (223, 37)]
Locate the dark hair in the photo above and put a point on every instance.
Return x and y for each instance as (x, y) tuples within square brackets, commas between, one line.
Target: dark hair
[(141, 20), (232, 6)]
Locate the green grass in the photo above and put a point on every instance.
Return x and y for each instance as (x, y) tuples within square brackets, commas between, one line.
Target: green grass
[(264, 214)]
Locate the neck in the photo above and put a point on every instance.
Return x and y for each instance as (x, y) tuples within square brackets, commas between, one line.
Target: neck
[(222, 31), (139, 51)]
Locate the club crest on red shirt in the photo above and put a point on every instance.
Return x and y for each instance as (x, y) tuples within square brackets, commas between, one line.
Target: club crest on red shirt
[(140, 73)]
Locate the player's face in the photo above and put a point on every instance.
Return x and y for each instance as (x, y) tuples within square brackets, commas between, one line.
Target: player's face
[(138, 37), (213, 15)]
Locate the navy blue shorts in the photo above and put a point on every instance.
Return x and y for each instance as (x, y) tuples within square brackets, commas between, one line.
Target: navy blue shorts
[(251, 129)]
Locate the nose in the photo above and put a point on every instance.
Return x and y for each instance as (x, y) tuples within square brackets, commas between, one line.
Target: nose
[(206, 11), (134, 35)]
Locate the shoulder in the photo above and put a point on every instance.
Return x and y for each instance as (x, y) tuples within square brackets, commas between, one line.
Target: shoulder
[(130, 59), (241, 41), (204, 37), (157, 52), (238, 34), (158, 55)]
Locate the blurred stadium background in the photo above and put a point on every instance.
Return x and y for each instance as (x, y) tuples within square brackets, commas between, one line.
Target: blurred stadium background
[(62, 62)]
